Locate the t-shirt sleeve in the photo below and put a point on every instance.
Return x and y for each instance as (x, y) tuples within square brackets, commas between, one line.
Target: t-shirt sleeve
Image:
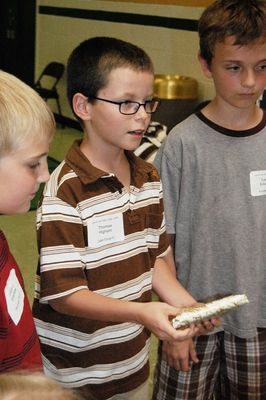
[(168, 164), (157, 222), (61, 240)]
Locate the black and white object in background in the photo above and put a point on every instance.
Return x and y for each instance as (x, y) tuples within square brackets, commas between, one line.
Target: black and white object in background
[(151, 141)]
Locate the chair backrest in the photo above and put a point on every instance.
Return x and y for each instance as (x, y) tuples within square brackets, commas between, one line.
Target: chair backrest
[(54, 70)]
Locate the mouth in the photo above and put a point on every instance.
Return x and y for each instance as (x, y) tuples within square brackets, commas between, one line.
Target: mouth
[(247, 94), (138, 133), (34, 194)]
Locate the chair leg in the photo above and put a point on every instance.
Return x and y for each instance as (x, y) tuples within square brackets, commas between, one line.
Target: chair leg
[(59, 111)]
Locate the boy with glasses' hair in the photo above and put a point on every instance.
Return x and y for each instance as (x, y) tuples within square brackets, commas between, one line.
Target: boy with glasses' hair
[(102, 240)]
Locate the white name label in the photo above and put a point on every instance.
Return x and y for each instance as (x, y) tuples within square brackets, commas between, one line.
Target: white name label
[(105, 230), (258, 183), (14, 297)]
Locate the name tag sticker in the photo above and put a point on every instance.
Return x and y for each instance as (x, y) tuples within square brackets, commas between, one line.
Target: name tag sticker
[(258, 183), (105, 230), (14, 297)]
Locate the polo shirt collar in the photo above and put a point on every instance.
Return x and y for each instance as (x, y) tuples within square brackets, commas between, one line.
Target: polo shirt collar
[(87, 173)]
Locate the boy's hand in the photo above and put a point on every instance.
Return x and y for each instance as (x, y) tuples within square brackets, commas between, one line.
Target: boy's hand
[(180, 355), (204, 326), (208, 326), (156, 316)]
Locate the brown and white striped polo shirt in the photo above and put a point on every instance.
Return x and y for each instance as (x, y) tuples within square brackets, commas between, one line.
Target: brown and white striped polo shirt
[(92, 233)]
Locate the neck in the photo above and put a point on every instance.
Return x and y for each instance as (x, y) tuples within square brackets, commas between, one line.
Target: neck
[(233, 118), (117, 164)]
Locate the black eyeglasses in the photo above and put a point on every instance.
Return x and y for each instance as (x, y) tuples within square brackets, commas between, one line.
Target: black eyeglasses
[(129, 107)]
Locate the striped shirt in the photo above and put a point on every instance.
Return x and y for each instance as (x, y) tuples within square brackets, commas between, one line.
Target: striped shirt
[(93, 233)]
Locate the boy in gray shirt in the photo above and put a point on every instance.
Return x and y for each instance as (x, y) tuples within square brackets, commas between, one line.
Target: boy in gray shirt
[(213, 169)]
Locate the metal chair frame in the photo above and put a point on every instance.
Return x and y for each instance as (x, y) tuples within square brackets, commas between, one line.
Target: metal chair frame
[(53, 70)]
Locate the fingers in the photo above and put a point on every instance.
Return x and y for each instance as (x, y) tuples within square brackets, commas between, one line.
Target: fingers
[(216, 321), (180, 355), (184, 365), (207, 326), (184, 334), (167, 332), (159, 323), (193, 353), (177, 362)]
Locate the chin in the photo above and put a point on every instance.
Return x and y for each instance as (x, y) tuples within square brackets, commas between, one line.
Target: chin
[(132, 147), (23, 208)]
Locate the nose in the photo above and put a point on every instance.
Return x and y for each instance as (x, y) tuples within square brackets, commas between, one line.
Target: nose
[(248, 78), (141, 113)]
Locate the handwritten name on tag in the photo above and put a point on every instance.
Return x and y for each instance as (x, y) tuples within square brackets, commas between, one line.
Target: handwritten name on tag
[(258, 183), (105, 230)]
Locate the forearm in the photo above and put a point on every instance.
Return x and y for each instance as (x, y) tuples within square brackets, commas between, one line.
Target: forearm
[(166, 285), (153, 315), (87, 304)]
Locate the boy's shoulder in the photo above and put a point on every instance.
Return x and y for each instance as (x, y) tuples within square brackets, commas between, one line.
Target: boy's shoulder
[(186, 129)]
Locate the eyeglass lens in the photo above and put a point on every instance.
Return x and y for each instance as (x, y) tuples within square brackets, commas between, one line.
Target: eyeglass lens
[(131, 107)]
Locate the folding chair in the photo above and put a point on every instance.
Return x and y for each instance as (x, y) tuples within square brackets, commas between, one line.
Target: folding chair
[(47, 82)]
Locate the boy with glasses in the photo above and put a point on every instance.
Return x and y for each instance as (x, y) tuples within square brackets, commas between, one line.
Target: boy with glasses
[(102, 240)]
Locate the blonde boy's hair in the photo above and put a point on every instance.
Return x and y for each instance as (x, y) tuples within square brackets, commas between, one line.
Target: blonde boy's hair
[(24, 115), (32, 386)]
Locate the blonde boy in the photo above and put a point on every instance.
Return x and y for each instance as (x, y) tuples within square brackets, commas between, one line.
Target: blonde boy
[(26, 129)]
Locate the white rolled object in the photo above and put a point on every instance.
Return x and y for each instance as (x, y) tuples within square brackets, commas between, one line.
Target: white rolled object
[(206, 311)]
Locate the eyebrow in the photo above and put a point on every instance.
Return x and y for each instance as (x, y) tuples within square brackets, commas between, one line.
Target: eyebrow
[(241, 62), (38, 156)]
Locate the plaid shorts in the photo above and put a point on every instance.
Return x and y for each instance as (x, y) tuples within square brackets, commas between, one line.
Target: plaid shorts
[(230, 368)]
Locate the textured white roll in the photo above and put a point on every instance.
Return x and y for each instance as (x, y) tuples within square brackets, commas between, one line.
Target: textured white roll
[(214, 308)]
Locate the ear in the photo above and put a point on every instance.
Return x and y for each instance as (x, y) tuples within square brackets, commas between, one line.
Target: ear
[(204, 66), (81, 106)]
